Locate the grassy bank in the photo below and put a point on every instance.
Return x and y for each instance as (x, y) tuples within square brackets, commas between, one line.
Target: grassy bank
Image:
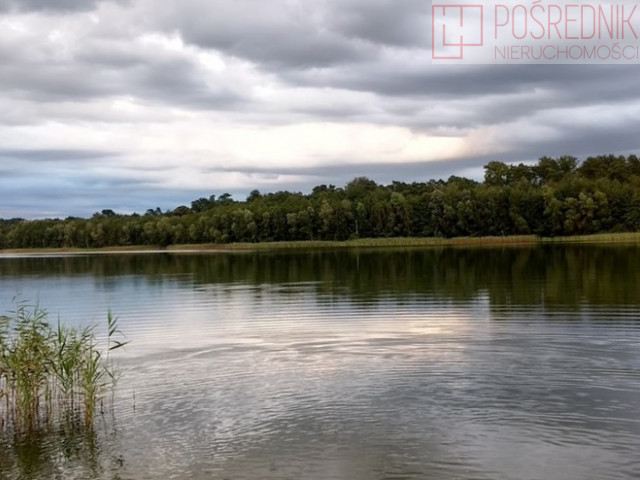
[(599, 238), (605, 238)]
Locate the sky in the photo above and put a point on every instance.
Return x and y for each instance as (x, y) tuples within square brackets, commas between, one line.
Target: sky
[(135, 104)]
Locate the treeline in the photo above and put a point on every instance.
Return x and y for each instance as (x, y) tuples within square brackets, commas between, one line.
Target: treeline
[(557, 196)]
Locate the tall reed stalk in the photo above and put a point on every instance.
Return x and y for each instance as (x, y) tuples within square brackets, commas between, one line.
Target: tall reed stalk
[(51, 373)]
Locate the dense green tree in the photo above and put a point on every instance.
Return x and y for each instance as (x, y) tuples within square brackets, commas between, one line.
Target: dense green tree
[(556, 196)]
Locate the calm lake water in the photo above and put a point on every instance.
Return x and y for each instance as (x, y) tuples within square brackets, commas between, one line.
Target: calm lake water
[(501, 363)]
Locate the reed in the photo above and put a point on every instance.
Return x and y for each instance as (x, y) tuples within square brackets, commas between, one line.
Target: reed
[(393, 242), (598, 238), (52, 373)]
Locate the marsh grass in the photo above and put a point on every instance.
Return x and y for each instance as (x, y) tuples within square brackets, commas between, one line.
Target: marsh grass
[(50, 374), (394, 242), (598, 238)]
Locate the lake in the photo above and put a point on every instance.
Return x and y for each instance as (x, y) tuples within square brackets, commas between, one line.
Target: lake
[(453, 363)]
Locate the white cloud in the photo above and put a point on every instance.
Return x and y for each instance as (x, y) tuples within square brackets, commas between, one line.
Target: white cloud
[(181, 98)]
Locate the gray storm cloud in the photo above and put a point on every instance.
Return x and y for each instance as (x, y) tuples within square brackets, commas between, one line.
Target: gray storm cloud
[(135, 104)]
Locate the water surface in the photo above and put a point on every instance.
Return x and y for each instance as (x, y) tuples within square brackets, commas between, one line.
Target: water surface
[(500, 363)]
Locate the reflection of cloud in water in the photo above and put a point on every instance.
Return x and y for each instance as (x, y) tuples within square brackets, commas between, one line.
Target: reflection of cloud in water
[(221, 317)]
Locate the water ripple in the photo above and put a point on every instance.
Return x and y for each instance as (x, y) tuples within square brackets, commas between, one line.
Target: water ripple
[(300, 380)]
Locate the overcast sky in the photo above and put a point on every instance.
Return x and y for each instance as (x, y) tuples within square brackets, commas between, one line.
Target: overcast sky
[(134, 104)]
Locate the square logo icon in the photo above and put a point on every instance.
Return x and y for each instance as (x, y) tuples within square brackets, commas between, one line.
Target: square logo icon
[(454, 27)]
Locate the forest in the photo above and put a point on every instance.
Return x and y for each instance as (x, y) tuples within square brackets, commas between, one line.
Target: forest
[(555, 197)]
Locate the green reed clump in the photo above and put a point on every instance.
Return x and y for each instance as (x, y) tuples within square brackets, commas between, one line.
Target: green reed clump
[(49, 373)]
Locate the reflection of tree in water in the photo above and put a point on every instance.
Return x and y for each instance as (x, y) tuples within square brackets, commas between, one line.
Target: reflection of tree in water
[(551, 276), (68, 450)]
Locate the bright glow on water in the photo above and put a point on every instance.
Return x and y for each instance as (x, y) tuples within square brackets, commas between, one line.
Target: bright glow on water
[(439, 364)]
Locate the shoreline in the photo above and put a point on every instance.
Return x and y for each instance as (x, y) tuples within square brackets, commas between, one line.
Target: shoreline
[(402, 242)]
